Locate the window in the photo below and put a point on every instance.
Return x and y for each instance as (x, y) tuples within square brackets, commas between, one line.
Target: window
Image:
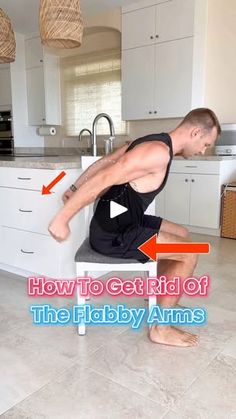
[(92, 84)]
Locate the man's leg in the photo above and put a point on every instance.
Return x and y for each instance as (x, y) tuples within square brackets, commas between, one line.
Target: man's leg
[(171, 265)]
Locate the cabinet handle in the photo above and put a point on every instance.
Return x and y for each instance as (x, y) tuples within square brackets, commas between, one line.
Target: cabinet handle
[(21, 210), (24, 178), (150, 112), (28, 253), (43, 119), (151, 37), (155, 111), (186, 180), (192, 180), (157, 36), (195, 167), (41, 61)]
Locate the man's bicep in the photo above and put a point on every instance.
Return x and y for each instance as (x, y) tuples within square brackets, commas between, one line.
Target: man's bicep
[(136, 163)]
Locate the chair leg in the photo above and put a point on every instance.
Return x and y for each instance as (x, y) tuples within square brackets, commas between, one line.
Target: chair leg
[(81, 301)]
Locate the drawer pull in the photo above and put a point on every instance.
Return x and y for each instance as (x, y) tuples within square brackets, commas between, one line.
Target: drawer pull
[(192, 167), (186, 180), (21, 210), (28, 253), (24, 178)]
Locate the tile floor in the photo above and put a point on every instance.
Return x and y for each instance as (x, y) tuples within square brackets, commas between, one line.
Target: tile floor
[(51, 372)]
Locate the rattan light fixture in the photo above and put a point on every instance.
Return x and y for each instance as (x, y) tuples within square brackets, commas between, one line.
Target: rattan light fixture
[(7, 39), (60, 23)]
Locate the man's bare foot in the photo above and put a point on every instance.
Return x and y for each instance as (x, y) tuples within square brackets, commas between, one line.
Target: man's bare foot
[(169, 335)]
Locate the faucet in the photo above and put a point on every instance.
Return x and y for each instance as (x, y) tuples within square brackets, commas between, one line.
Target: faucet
[(90, 134), (94, 134)]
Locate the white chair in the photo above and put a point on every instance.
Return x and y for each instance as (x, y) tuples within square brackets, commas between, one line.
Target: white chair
[(87, 260)]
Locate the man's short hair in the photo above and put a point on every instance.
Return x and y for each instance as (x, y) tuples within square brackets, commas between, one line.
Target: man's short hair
[(203, 117)]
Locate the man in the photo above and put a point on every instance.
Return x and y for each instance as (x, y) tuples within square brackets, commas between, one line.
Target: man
[(132, 176)]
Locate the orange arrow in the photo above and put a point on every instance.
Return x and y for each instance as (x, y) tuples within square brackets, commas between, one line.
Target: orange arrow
[(150, 247), (46, 189)]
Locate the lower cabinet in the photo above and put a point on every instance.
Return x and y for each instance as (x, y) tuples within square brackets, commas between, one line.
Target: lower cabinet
[(192, 195), (193, 199), (25, 215)]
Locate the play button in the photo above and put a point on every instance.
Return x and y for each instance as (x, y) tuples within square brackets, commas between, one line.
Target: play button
[(116, 209)]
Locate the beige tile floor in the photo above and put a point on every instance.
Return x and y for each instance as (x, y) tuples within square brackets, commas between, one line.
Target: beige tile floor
[(51, 372)]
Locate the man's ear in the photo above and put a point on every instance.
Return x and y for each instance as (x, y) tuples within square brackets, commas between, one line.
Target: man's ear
[(195, 131)]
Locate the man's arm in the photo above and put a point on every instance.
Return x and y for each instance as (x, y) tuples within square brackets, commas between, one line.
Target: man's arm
[(140, 161)]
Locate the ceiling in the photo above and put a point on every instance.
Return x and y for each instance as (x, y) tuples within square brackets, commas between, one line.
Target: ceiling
[(24, 13)]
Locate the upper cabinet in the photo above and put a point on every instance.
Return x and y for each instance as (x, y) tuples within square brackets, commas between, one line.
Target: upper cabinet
[(162, 22), (157, 60), (43, 84), (176, 56), (5, 85)]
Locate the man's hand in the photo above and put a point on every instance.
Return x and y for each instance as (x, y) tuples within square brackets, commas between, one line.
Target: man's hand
[(58, 229)]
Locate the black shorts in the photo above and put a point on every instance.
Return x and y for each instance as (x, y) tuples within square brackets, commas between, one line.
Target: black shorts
[(125, 244)]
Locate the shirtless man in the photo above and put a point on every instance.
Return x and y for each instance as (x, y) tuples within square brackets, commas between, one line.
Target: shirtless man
[(132, 176)]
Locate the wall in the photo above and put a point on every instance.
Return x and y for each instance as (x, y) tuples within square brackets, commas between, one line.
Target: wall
[(24, 135), (221, 36)]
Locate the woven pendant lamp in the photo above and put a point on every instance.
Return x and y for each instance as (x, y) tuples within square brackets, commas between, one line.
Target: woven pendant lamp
[(7, 39), (60, 23)]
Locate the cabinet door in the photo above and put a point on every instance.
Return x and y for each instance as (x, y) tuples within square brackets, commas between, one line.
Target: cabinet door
[(173, 85), (205, 201), (175, 20), (33, 52), (52, 90), (35, 96), (5, 86), (177, 194), (138, 83), (138, 28)]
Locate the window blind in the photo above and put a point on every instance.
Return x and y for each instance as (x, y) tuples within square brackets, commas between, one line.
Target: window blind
[(91, 85)]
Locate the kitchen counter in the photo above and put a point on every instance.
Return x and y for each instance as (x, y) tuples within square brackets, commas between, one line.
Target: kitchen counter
[(53, 162), (74, 161)]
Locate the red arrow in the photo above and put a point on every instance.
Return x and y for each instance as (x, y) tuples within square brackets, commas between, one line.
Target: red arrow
[(150, 247), (46, 189)]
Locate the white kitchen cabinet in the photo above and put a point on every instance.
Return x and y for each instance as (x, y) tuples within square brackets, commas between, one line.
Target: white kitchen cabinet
[(36, 96), (209, 68), (188, 201), (204, 200), (177, 195), (43, 85), (192, 195), (5, 86), (138, 83), (138, 28), (173, 78), (157, 63), (162, 22), (24, 220), (33, 52), (156, 81)]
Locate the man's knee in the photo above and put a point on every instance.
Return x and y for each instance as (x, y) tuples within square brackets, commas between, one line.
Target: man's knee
[(183, 232)]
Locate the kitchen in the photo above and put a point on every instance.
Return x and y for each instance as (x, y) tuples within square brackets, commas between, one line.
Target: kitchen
[(48, 96)]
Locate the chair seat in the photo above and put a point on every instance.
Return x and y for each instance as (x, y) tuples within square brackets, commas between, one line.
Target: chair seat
[(85, 253)]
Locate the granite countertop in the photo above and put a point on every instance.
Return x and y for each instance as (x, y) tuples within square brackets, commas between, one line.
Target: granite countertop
[(46, 162), (70, 159)]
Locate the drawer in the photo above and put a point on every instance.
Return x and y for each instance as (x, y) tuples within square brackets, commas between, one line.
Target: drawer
[(28, 210), (195, 166), (23, 178), (31, 252)]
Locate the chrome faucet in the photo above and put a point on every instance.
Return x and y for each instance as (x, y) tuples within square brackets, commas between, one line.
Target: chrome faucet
[(90, 135), (94, 134)]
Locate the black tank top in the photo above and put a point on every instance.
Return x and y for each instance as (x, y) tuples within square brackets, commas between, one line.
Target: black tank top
[(136, 202)]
